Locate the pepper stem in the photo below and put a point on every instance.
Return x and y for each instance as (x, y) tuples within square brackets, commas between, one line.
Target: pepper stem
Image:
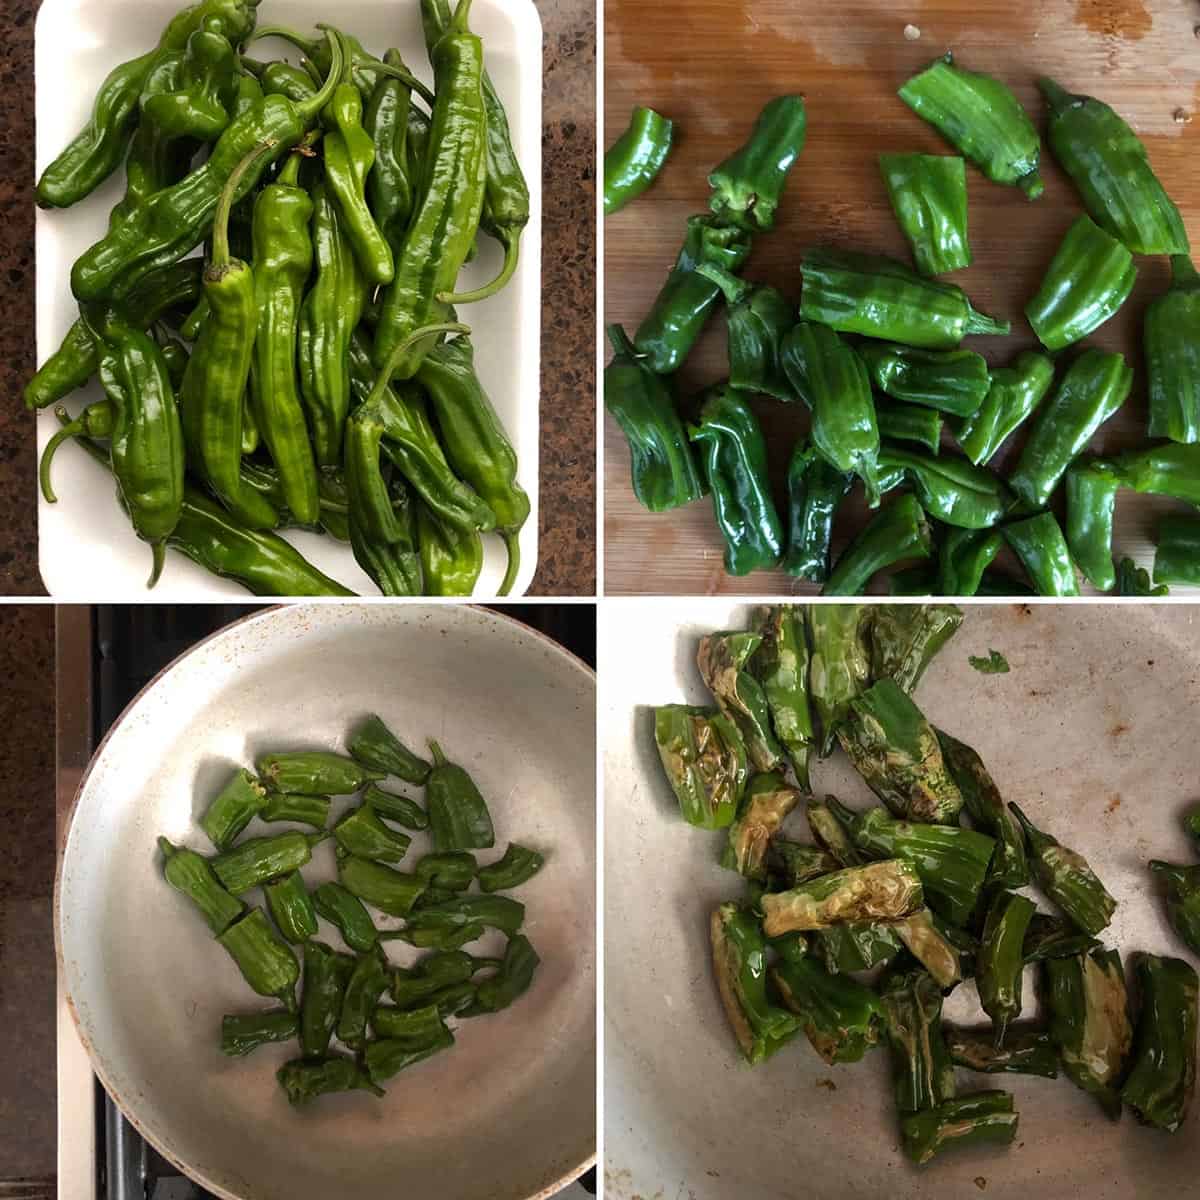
[(1031, 185), (733, 288), (220, 241), (439, 759), (72, 428), (287, 33), (458, 22), (389, 368), (337, 57), (978, 322), (513, 545), (511, 253), (620, 342), (1058, 98), (158, 558)]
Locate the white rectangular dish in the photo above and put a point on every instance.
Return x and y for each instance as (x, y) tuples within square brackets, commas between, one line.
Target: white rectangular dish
[(86, 548)]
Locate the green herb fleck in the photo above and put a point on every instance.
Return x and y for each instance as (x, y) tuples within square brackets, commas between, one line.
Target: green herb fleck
[(994, 664)]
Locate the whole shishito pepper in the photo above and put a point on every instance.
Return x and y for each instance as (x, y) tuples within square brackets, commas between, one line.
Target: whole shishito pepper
[(192, 874), (815, 493), (314, 772), (748, 184), (517, 866), (233, 808), (258, 860), (292, 907), (265, 960), (282, 79), (951, 489), (203, 91), (96, 421), (881, 298), (174, 221), (458, 814), (839, 666), (634, 160), (897, 531), (734, 458), (878, 891), (1000, 961), (326, 974), (704, 759), (304, 1079), (830, 376), (686, 300), (664, 474), (1013, 393), (1094, 387), (1092, 488), (765, 806), (391, 189), (982, 1118), (1177, 551), (393, 564), (954, 381), (348, 913), (155, 161), (980, 117), (451, 559), (1089, 278), (374, 745), (1171, 343), (362, 833), (1107, 163), (242, 1034), (906, 638), (1039, 543), (929, 197)]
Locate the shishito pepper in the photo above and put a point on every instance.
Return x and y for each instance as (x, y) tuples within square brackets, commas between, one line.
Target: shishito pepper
[(953, 381), (1089, 278), (1092, 488), (982, 1118), (392, 892), (1163, 1076), (921, 935), (233, 808), (451, 558), (1168, 469), (1055, 937), (368, 981), (1067, 879), (1107, 163), (815, 493), (326, 974), (1013, 393), (1026, 1051), (705, 762), (1183, 899), (510, 982), (748, 184), (909, 423), (1177, 552), (740, 966), (348, 913), (664, 472), (881, 298), (792, 863), (633, 161), (492, 912), (1040, 545), (929, 197), (1171, 344), (401, 809), (1001, 962), (314, 772), (458, 815), (263, 957), (831, 835), (375, 746), (767, 802), (385, 1057), (391, 188), (304, 1079), (951, 489), (362, 833), (518, 865), (840, 663), (896, 751), (733, 455), (257, 860), (201, 91), (685, 302), (905, 639), (780, 664), (845, 949), (980, 117), (1089, 1021), (963, 559), (897, 531), (295, 806), (722, 660), (416, 1027), (879, 891), (841, 1017), (453, 870), (192, 874), (241, 1034), (922, 1074), (412, 987), (292, 907)]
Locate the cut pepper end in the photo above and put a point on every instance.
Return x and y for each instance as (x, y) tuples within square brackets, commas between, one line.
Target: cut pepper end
[(1031, 185)]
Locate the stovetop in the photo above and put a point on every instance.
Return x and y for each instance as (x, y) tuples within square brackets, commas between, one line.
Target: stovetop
[(105, 656)]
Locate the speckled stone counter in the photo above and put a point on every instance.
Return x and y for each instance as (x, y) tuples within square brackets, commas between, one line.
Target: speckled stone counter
[(567, 551)]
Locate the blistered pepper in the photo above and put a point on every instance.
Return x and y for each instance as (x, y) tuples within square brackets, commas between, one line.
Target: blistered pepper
[(841, 1017), (257, 860), (898, 531), (922, 1074), (792, 863), (234, 807), (1001, 960), (704, 759), (1026, 1051), (1171, 344), (518, 865), (1013, 393), (348, 913), (192, 874), (1039, 543), (929, 197), (292, 907), (360, 832), (240, 1034), (392, 892), (982, 1118), (1183, 899), (780, 664), (815, 493), (722, 660), (634, 160), (922, 935), (314, 772), (953, 381), (845, 949), (1092, 488), (906, 638), (265, 960), (766, 803), (1055, 937), (839, 664), (879, 891)]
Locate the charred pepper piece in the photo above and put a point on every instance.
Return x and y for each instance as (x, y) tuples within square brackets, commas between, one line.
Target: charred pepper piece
[(764, 807), (815, 493), (792, 863), (845, 949), (829, 833), (840, 663), (192, 874), (458, 815), (1055, 937), (243, 1033), (257, 860), (292, 907), (633, 161), (1001, 959), (722, 660), (348, 913), (952, 381), (375, 746), (898, 531), (314, 772), (1171, 344), (780, 664), (922, 1074), (925, 941), (1026, 1051), (982, 1118), (1183, 900), (748, 184), (1013, 393), (518, 865), (492, 912), (879, 891), (841, 1017), (705, 762), (234, 807), (265, 960), (929, 197), (304, 1079), (906, 638)]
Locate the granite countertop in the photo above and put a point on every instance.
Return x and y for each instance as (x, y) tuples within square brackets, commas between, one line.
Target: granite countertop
[(567, 550)]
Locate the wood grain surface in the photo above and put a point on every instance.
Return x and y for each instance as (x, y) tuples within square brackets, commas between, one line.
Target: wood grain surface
[(711, 66)]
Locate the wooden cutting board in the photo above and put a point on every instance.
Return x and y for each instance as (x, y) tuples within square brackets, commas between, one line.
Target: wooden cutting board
[(712, 66)]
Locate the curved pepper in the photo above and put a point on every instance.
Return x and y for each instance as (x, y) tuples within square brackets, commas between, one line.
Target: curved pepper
[(1040, 545), (704, 758), (492, 912), (266, 961), (390, 188), (292, 907), (458, 815), (765, 806), (906, 638), (982, 1118), (748, 184), (1013, 393), (1000, 961), (348, 913), (963, 558), (242, 1034), (929, 197), (96, 421), (374, 745), (449, 871), (1091, 499), (303, 1079), (1107, 163), (954, 381), (686, 300), (1026, 1051), (413, 987), (981, 117), (1089, 278), (388, 890), (416, 1027), (387, 1057), (897, 531), (401, 809), (314, 772), (921, 933), (815, 492), (360, 832), (283, 79), (1171, 344), (878, 891), (841, 1017), (192, 874), (951, 489), (518, 865), (922, 1073), (634, 160), (204, 92), (295, 806), (368, 981), (1177, 553), (510, 982)]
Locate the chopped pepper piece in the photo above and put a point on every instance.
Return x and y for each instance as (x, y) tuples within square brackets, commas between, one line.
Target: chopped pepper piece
[(722, 659), (1001, 962), (765, 806), (780, 664), (257, 860), (951, 488), (376, 746), (634, 160), (794, 863), (930, 947), (705, 762), (451, 871), (963, 560), (929, 197), (401, 809), (1026, 1051), (326, 974), (294, 806), (510, 982), (494, 912), (367, 982), (978, 1119), (1177, 553), (192, 874), (840, 1016), (348, 913), (1183, 900), (829, 833), (292, 907), (905, 639), (952, 381), (416, 1027), (879, 891), (1055, 937), (845, 949), (386, 1058), (388, 890), (1092, 488), (1039, 543), (518, 865), (237, 804), (909, 423), (922, 1074)]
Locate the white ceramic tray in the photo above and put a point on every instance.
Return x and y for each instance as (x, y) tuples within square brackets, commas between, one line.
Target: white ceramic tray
[(86, 548)]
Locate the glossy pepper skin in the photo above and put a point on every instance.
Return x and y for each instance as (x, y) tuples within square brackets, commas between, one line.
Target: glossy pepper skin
[(896, 751), (828, 374), (841, 1017), (1107, 163), (376, 747), (922, 1074), (1091, 500), (780, 664), (192, 874), (1089, 278), (845, 949), (326, 974), (980, 117), (458, 814), (233, 808), (963, 559), (982, 1118), (906, 638), (304, 1079), (391, 189), (747, 186), (244, 1033), (953, 381), (704, 759), (897, 531), (401, 809), (633, 161), (878, 891), (1168, 469), (203, 89), (1089, 1022), (1067, 879), (412, 987), (831, 835), (1183, 900), (518, 865), (1055, 937), (839, 664), (451, 559), (1040, 545), (266, 962), (1013, 393), (257, 860), (1026, 1051), (686, 300), (292, 907), (793, 863), (295, 806), (492, 912), (881, 298), (740, 967), (348, 914), (96, 421), (362, 833), (815, 493), (765, 806), (1000, 960), (1177, 555), (452, 871), (733, 455), (929, 197), (314, 772), (415, 1027), (722, 659), (384, 888), (951, 489), (909, 423), (1162, 1079), (1171, 344)]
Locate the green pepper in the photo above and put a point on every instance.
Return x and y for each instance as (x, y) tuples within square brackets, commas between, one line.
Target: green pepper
[(243, 1033), (815, 492), (510, 982), (203, 91), (896, 751), (386, 1057), (1089, 1021), (1026, 1051), (634, 160), (792, 863), (905, 639), (987, 810), (922, 935), (909, 423), (953, 381), (879, 891), (982, 1118), (898, 531), (1170, 336), (1067, 879), (1092, 488), (366, 984), (780, 665), (295, 806), (360, 832), (304, 1079), (416, 1028), (951, 862), (453, 870), (831, 835), (493, 912), (922, 1073), (429, 975), (401, 809), (174, 354), (704, 759), (257, 860), (687, 299), (390, 891), (1055, 937), (748, 184), (929, 197), (192, 874), (282, 79), (951, 489), (733, 455), (376, 747), (841, 1017), (757, 320), (1012, 395), (292, 907), (347, 912), (265, 960), (980, 117), (237, 804), (458, 815), (1168, 469), (722, 659), (391, 189), (845, 949), (1107, 163), (1183, 899), (1177, 557), (1001, 959), (963, 559), (451, 559), (1163, 1076), (829, 375), (518, 865), (1040, 545), (840, 663), (740, 966), (326, 974), (881, 298), (764, 807), (314, 772)]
